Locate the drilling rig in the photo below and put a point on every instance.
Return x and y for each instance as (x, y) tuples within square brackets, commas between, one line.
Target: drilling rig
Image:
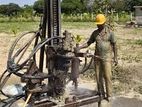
[(51, 51)]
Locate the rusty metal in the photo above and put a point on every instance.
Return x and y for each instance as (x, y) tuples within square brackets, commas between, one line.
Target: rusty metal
[(43, 36), (84, 101), (73, 102), (45, 103), (75, 70), (58, 52)]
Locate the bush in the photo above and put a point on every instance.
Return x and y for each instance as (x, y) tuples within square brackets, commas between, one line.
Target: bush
[(122, 17), (19, 19), (86, 17)]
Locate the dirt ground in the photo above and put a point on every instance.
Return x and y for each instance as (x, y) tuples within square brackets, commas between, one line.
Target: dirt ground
[(5, 43), (129, 52)]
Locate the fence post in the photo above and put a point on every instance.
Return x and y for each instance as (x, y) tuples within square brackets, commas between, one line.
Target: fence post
[(62, 16), (117, 17), (92, 16), (131, 16), (81, 17)]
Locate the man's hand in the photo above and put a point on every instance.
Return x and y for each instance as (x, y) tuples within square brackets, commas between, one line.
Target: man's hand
[(114, 47), (115, 61)]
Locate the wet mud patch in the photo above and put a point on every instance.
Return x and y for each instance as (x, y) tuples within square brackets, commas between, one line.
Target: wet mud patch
[(88, 90), (126, 102)]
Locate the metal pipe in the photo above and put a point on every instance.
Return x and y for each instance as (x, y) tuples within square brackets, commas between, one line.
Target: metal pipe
[(84, 101), (41, 63)]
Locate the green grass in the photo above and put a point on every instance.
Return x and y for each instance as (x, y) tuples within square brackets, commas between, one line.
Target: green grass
[(78, 25), (16, 27), (134, 42), (11, 27), (138, 42)]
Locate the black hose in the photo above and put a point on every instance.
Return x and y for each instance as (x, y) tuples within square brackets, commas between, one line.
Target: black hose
[(36, 42), (2, 79), (15, 43), (12, 100), (85, 64), (38, 47), (87, 67), (23, 47), (2, 84), (14, 68), (3, 75)]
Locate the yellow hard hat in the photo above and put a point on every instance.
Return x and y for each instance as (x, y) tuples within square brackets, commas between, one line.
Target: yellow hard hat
[(100, 19)]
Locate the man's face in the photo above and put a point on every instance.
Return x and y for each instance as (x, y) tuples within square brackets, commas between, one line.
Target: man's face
[(100, 26)]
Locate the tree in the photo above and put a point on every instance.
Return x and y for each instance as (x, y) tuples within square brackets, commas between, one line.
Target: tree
[(102, 6), (10, 9), (129, 4), (13, 9), (119, 5), (27, 11), (72, 6), (39, 6), (88, 4), (3, 9)]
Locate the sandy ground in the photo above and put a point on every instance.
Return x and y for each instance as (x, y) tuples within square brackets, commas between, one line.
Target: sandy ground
[(130, 55), (124, 35), (5, 43)]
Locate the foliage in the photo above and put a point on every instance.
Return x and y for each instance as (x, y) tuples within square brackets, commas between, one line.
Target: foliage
[(138, 42), (118, 5), (27, 11), (129, 4), (73, 10), (85, 17), (14, 28), (72, 6), (103, 6), (78, 38), (38, 6), (10, 9), (30, 25)]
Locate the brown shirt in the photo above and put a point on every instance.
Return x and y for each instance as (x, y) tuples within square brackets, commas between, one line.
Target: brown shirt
[(103, 40)]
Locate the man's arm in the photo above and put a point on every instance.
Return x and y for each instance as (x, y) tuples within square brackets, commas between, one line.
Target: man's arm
[(114, 48), (88, 43), (85, 45), (76, 49)]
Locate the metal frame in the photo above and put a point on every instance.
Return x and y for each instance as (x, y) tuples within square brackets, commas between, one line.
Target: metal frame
[(57, 60)]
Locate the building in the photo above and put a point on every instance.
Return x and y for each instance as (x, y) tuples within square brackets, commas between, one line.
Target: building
[(138, 15)]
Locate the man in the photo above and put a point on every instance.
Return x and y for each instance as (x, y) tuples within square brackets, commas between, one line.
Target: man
[(105, 45)]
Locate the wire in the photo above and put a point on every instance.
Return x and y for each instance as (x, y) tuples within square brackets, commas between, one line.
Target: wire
[(15, 68), (12, 100), (87, 67), (2, 84)]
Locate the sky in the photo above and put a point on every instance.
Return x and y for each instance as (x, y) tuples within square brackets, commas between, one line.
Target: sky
[(20, 2)]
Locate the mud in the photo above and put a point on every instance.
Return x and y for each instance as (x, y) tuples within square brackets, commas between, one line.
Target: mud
[(120, 102), (126, 102), (87, 89), (116, 101)]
